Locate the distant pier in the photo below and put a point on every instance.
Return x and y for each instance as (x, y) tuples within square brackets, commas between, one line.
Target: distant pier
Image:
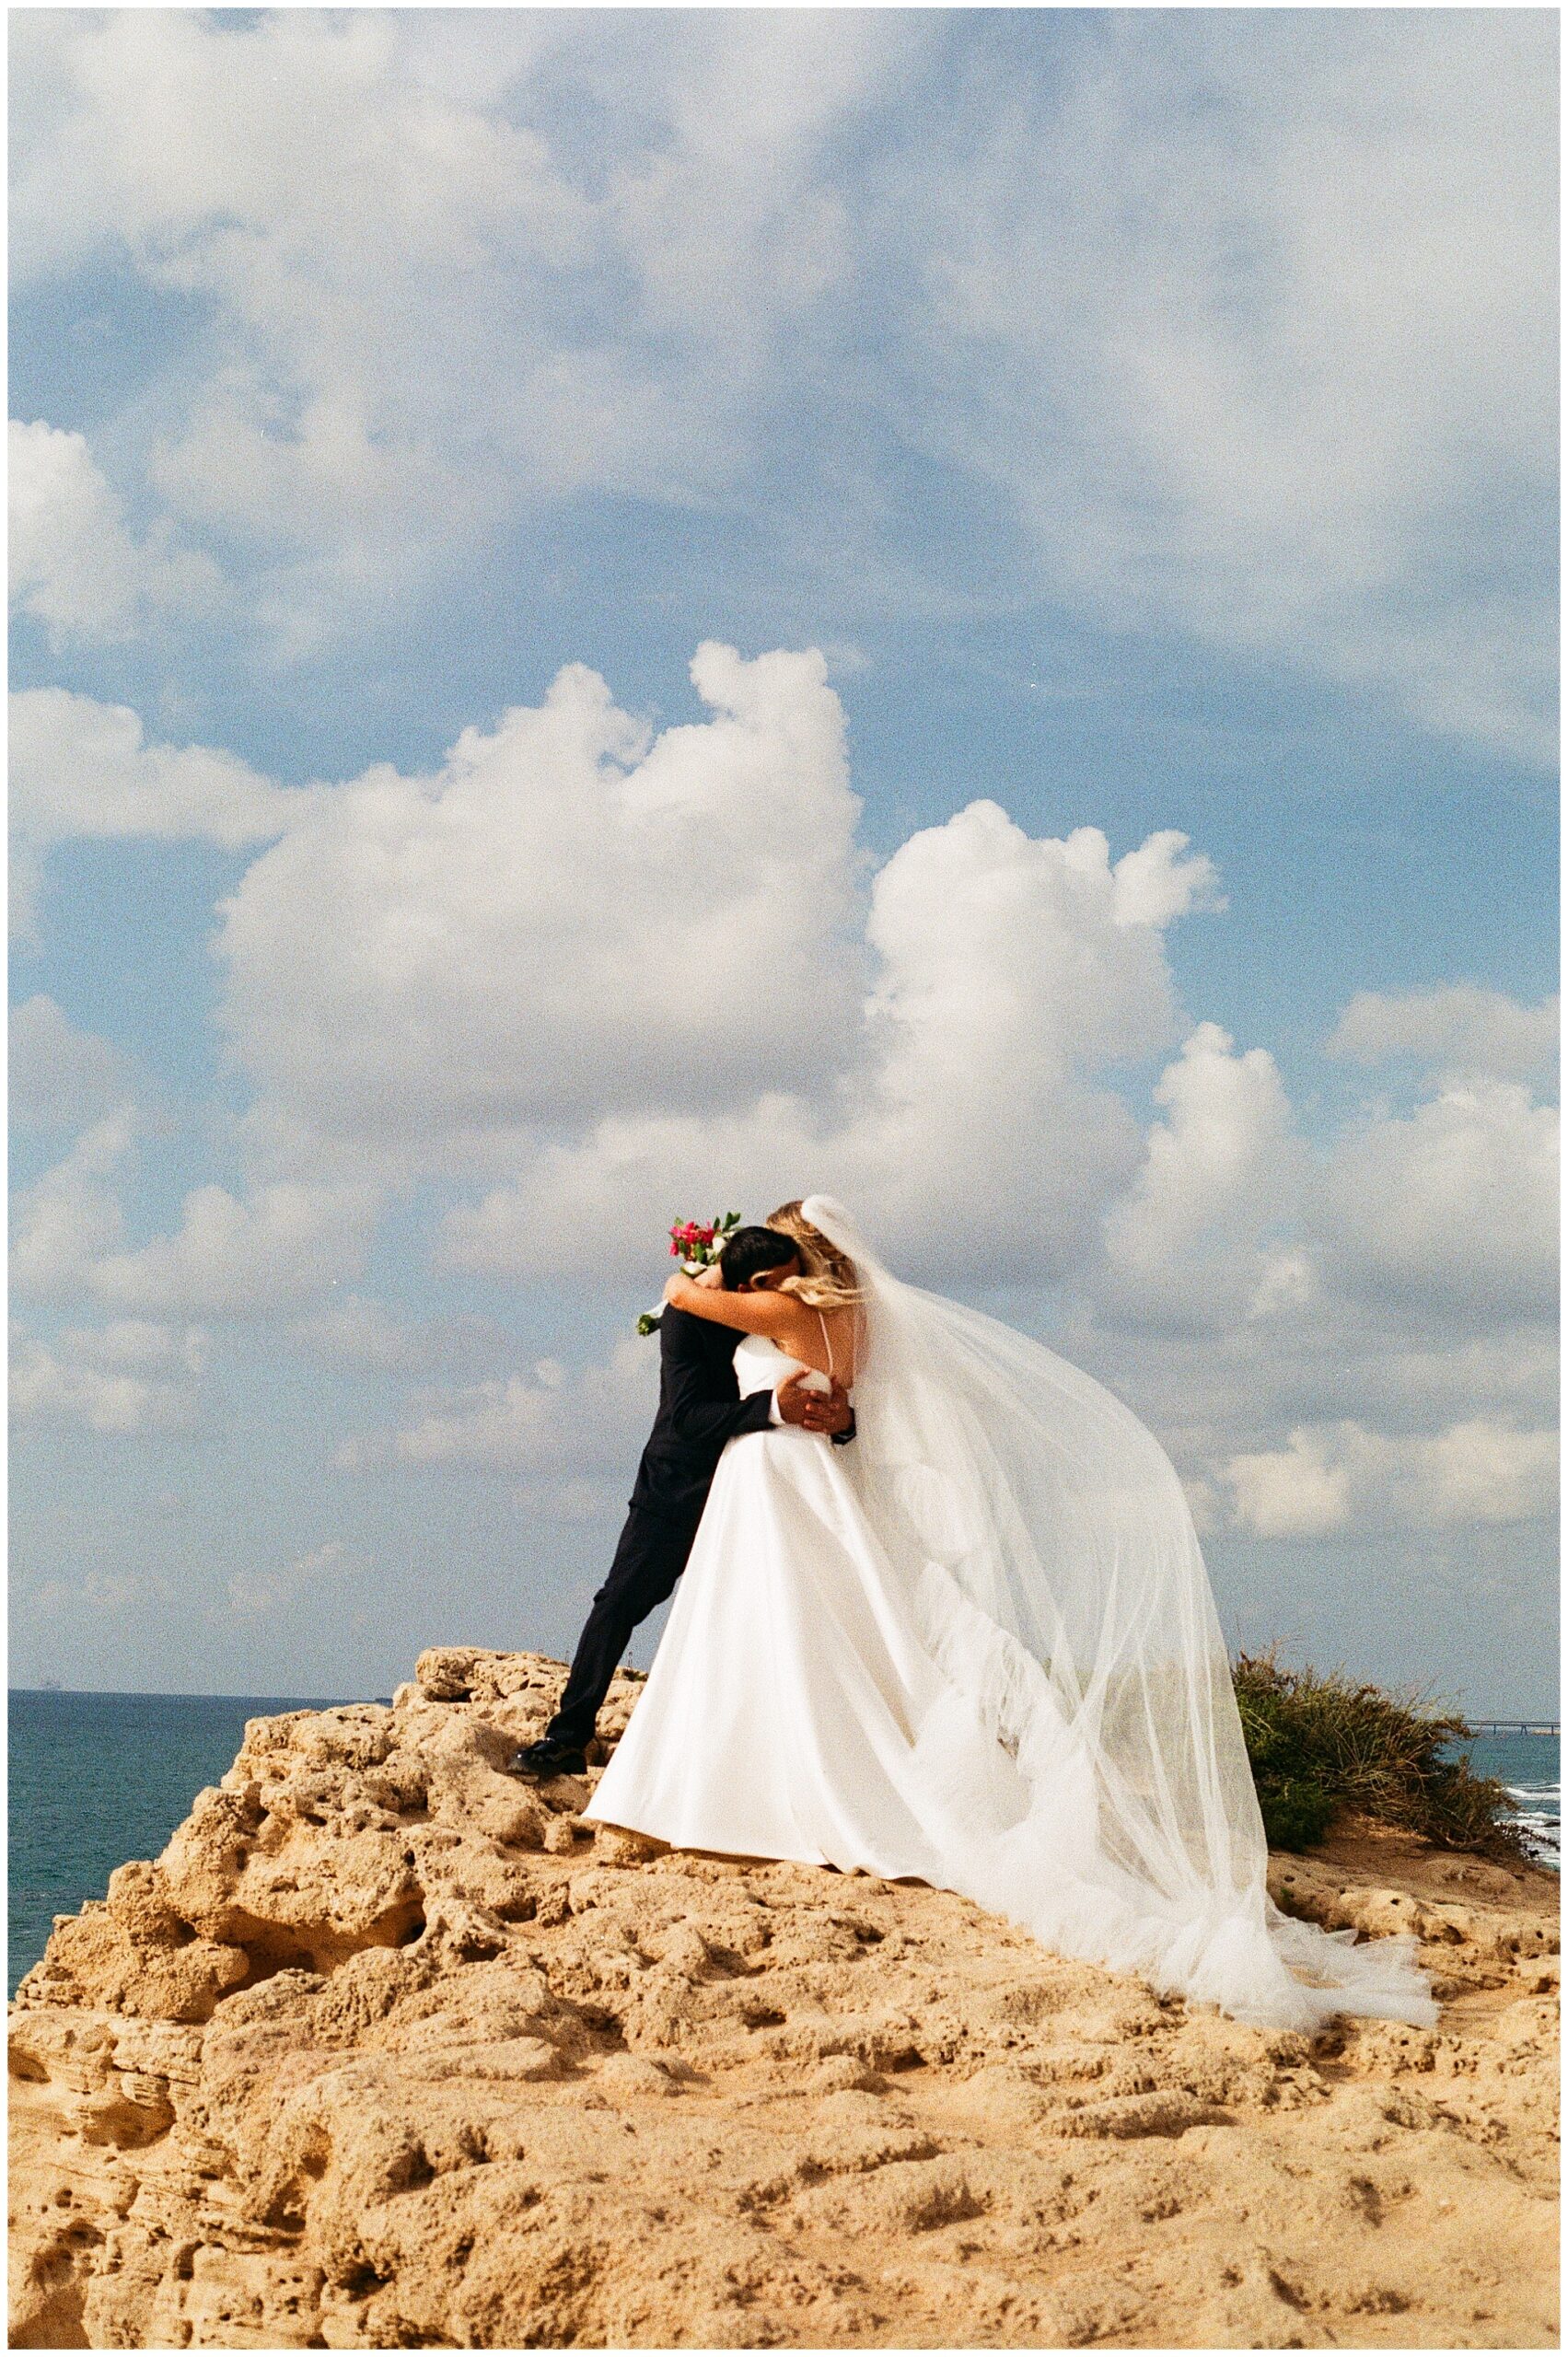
[(1513, 1726)]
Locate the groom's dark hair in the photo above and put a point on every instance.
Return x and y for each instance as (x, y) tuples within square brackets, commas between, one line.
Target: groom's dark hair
[(750, 1250)]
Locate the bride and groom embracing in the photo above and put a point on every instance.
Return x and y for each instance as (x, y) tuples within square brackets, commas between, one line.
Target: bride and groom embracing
[(960, 1632)]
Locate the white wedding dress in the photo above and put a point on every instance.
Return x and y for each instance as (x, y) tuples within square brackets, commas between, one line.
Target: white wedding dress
[(977, 1646)]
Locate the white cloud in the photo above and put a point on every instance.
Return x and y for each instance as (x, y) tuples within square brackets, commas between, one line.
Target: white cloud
[(235, 1258), (1453, 1209), (567, 1501), (1250, 322), (1410, 1379), (138, 1342), (230, 1257), (1339, 1475), (1012, 972), (80, 767), (60, 1074), (1253, 318), (1155, 884), (730, 213), (1356, 1338), (67, 1218), (601, 301), (586, 1025), (1456, 1031), (117, 1593), (1325, 1364), (75, 566), (600, 1201), (1007, 972), (360, 1334), (575, 915), (534, 1423), (1188, 1242), (618, 963), (132, 1376), (251, 1594)]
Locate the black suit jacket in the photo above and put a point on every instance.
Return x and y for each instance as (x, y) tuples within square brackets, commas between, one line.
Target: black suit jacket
[(700, 1408)]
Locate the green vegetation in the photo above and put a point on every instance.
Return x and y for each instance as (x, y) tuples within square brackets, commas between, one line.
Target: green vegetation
[(1319, 1744)]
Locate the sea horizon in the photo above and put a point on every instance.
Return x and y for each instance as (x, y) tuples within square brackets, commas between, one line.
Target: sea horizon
[(1548, 1719)]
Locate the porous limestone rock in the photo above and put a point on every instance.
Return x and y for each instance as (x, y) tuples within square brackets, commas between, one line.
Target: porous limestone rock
[(390, 2050)]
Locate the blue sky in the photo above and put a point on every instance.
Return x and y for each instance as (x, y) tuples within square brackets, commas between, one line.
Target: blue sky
[(618, 613)]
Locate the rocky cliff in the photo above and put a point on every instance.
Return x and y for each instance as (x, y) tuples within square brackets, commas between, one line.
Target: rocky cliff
[(388, 2050)]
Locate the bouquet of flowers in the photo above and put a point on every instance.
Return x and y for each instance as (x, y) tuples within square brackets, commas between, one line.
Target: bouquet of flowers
[(696, 1244)]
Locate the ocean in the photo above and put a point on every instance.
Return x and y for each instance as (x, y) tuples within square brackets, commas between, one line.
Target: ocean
[(95, 1779), (1528, 1764)]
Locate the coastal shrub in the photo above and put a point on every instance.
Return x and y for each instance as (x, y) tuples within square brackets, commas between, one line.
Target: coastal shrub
[(1321, 1744), (1297, 1810)]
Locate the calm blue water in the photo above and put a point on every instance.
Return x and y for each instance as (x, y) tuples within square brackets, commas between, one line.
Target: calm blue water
[(100, 1778)]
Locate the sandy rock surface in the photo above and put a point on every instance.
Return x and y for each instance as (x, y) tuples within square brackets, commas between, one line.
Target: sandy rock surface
[(386, 2051)]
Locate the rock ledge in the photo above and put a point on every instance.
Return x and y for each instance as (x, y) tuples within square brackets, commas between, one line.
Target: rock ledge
[(388, 2050)]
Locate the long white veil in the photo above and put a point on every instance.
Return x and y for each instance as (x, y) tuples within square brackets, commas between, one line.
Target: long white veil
[(1056, 1576)]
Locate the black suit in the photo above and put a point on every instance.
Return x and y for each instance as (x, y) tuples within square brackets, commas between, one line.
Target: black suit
[(700, 1409)]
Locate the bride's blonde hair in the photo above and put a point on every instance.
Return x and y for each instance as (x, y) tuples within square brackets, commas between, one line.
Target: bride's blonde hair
[(830, 1280)]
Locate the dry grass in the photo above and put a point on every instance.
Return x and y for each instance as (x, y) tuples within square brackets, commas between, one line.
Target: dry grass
[(1321, 1744)]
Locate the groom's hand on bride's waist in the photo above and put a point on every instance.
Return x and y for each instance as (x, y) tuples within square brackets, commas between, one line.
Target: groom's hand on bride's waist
[(818, 1412)]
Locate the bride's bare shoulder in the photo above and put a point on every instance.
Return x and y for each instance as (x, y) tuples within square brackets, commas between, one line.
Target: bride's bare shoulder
[(843, 1333)]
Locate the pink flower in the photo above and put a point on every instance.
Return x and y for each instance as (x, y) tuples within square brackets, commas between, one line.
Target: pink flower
[(688, 1236)]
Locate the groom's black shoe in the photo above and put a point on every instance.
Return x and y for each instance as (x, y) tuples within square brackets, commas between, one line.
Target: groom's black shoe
[(542, 1760)]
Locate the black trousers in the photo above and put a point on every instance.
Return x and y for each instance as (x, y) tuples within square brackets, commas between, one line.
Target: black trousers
[(649, 1559)]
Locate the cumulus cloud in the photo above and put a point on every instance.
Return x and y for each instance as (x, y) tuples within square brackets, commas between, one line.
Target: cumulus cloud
[(231, 1258), (1453, 1209), (1340, 1476), (69, 1216), (1189, 1244), (1158, 882), (75, 565), (529, 961), (601, 1186), (81, 767), (60, 1074), (1456, 1031), (1352, 1336), (520, 978), (533, 1425), (110, 1593), (131, 1376), (575, 915), (1006, 973)]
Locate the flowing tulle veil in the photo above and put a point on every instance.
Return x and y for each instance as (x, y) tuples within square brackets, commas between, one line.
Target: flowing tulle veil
[(1091, 1768)]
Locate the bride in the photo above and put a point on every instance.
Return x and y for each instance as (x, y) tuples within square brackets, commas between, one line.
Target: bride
[(977, 1648)]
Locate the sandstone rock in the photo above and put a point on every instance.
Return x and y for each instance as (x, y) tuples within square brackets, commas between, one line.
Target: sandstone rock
[(386, 2051), (617, 1847), (445, 1673)]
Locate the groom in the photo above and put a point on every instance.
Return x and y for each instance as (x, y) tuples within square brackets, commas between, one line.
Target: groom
[(700, 1408)]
